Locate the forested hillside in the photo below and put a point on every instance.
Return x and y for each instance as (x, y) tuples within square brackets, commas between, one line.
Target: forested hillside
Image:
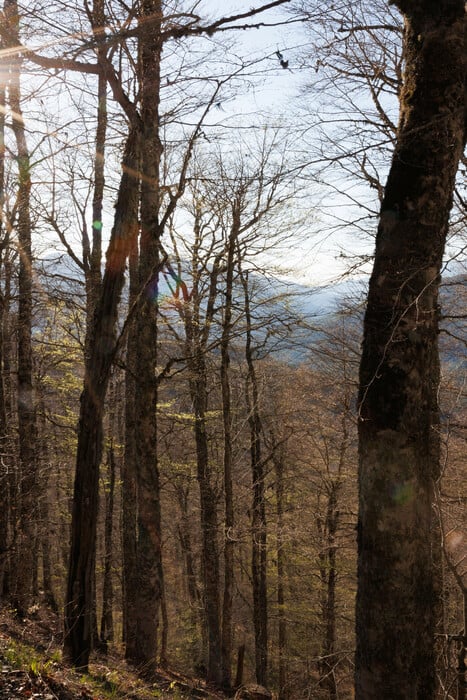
[(232, 458)]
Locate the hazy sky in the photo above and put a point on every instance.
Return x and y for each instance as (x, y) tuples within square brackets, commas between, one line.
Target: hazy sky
[(276, 95), (273, 98), (279, 98)]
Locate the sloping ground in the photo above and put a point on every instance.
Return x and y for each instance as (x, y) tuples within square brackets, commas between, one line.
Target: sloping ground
[(31, 667)]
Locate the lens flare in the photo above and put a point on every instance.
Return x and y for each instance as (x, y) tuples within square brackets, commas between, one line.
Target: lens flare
[(402, 493), (152, 289)]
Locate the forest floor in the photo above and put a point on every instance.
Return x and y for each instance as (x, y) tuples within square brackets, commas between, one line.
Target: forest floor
[(31, 667)]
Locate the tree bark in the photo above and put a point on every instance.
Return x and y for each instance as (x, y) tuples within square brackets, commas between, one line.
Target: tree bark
[(129, 496), (209, 521), (328, 574), (94, 276), (196, 339), (107, 626), (228, 488), (24, 556), (4, 311), (194, 596), (9, 490), (279, 469), (399, 372), (258, 521), (92, 250), (80, 584), (148, 490), (44, 510)]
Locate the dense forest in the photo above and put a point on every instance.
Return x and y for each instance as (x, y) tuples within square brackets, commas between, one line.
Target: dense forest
[(232, 341)]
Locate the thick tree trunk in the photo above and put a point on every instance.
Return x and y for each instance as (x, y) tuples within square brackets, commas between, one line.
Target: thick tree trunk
[(148, 594), (79, 605), (399, 373), (80, 585), (9, 489), (148, 490), (4, 311), (24, 556), (6, 471)]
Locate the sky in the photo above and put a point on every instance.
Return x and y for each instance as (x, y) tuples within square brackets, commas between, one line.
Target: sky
[(318, 256), (270, 94), (273, 94), (279, 94)]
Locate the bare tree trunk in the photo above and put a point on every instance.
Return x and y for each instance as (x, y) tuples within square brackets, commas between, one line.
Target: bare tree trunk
[(94, 276), (4, 497), (44, 513), (258, 524), (148, 489), (9, 490), (163, 658), (92, 250), (24, 557), (4, 310), (107, 626), (328, 530), (148, 592), (194, 596), (399, 372), (47, 568), (279, 466), (197, 335), (328, 574), (7, 528), (462, 657), (129, 497), (227, 633), (80, 586), (209, 522)]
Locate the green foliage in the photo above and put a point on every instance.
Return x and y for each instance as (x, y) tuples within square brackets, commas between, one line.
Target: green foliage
[(38, 667), (23, 656), (18, 655), (56, 656)]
